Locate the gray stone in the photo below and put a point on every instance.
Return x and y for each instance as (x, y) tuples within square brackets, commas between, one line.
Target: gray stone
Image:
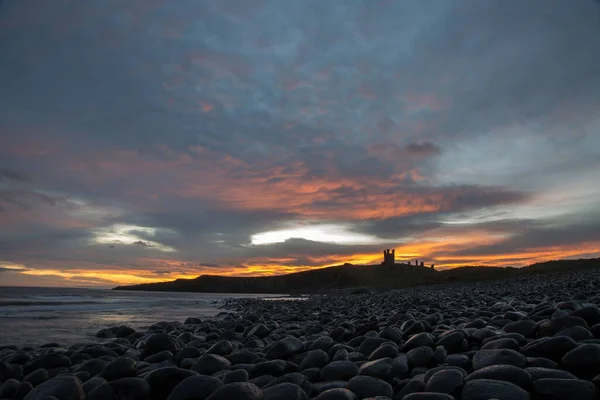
[(485, 389), (339, 370), (239, 375), (508, 373), (163, 380), (159, 342), (337, 394), (484, 358), (208, 364), (382, 368), (121, 389), (421, 356), (62, 387), (368, 386), (122, 367), (36, 377), (286, 390), (445, 381), (238, 391), (565, 389), (195, 388), (314, 358)]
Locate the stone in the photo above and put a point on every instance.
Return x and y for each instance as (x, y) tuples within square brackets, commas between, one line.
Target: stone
[(381, 368), (91, 384), (484, 358), (337, 394), (565, 389), (286, 390), (122, 367), (36, 377), (339, 370), (583, 360), (553, 348), (485, 389), (121, 389), (507, 373), (503, 343), (284, 347), (428, 396), (368, 386), (383, 351), (93, 366), (62, 387), (48, 361), (159, 342), (412, 386), (238, 391), (295, 378), (159, 357), (195, 388), (208, 364), (314, 358), (273, 367), (418, 340), (22, 391), (239, 375), (421, 356), (222, 348), (9, 388), (105, 334), (163, 380), (259, 330), (525, 327), (445, 381)]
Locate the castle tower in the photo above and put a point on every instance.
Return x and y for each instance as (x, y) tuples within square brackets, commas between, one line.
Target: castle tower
[(389, 257)]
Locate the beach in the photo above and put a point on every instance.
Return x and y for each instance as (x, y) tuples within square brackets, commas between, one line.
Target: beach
[(533, 337)]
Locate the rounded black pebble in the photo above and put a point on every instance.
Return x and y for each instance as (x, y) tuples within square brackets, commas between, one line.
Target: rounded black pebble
[(195, 388), (445, 381), (121, 389), (122, 367), (485, 389), (238, 391), (565, 389), (208, 364), (286, 390), (507, 373), (163, 380), (368, 386), (159, 342), (336, 394), (428, 396), (63, 387)]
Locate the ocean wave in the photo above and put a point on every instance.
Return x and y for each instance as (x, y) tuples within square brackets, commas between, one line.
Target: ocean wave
[(47, 303)]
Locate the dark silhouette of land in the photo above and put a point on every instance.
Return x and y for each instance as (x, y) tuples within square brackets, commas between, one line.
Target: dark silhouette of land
[(348, 276)]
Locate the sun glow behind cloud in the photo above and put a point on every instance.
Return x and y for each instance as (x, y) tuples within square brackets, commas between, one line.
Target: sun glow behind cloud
[(329, 233), (129, 235)]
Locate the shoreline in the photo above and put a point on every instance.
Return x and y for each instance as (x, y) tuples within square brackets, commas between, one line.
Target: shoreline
[(526, 337)]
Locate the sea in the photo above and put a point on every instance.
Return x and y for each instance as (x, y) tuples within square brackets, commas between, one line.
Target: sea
[(36, 316)]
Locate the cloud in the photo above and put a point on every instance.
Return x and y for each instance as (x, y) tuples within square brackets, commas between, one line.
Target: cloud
[(172, 141), (11, 175)]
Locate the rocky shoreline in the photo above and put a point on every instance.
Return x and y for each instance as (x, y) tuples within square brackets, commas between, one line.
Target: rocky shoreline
[(533, 337)]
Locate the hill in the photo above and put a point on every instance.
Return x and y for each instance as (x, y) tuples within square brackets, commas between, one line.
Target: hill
[(350, 276)]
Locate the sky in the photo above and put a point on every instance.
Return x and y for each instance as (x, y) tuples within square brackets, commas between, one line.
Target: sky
[(148, 140)]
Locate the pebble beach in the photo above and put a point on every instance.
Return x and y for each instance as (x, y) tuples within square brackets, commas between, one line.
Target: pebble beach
[(536, 337)]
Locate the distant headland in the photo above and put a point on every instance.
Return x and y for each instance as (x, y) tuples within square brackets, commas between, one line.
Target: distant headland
[(387, 275)]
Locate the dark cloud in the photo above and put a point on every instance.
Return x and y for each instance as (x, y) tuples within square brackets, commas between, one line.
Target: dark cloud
[(193, 134), (11, 175)]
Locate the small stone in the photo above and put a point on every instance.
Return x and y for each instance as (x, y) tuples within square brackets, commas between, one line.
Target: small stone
[(105, 334), (484, 358), (507, 373), (91, 384), (368, 386), (159, 357), (238, 391), (122, 367), (222, 348), (336, 394), (565, 389), (285, 347), (208, 364), (9, 388), (286, 390), (124, 388), (163, 380), (195, 388), (445, 381), (314, 358), (485, 389), (62, 387), (239, 375), (421, 356), (159, 342), (22, 391), (37, 377), (339, 370), (525, 327), (428, 396), (382, 368)]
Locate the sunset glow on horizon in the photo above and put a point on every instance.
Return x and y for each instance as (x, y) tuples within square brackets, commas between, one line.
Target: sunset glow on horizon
[(146, 141)]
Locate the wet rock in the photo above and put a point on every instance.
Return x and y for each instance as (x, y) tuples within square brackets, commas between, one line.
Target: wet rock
[(121, 389), (105, 334), (337, 394), (421, 356), (238, 391), (338, 370), (22, 391), (159, 342), (195, 388), (565, 389), (283, 348), (48, 361), (485, 389), (428, 396), (163, 380), (484, 358), (286, 390), (92, 383), (314, 358), (368, 386), (62, 387), (208, 364), (381, 368), (36, 377), (9, 388), (120, 368), (583, 360), (507, 373), (222, 348), (445, 381)]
